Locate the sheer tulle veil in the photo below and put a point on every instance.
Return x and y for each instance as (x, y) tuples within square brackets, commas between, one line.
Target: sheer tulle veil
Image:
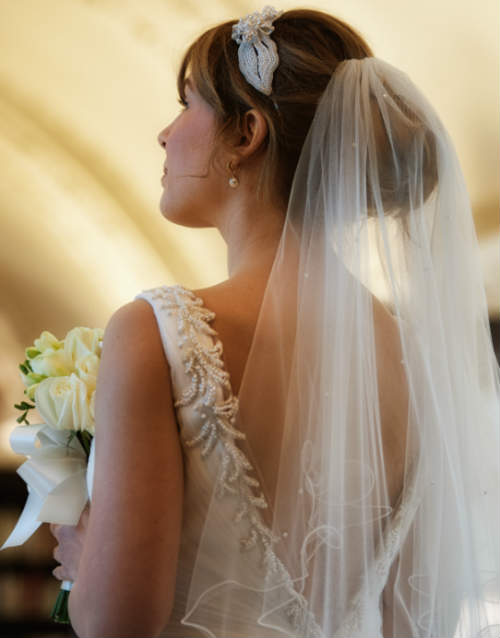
[(365, 530)]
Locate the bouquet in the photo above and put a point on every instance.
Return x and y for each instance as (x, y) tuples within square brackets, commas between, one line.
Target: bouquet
[(60, 379)]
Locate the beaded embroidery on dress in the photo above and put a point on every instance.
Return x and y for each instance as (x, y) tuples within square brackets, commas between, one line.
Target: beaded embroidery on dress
[(215, 467)]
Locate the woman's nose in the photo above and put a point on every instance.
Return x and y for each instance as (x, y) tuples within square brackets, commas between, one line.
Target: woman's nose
[(162, 137)]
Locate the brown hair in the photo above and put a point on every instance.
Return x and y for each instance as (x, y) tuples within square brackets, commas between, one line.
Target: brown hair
[(310, 46)]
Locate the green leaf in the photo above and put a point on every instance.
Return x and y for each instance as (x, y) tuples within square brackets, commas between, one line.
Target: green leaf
[(24, 369), (24, 406), (36, 378), (23, 419)]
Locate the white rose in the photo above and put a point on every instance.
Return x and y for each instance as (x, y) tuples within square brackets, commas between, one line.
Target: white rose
[(92, 412), (87, 368), (45, 341), (51, 363), (31, 381), (46, 358), (80, 342), (64, 404)]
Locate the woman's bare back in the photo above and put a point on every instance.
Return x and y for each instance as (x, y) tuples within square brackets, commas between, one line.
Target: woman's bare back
[(236, 308)]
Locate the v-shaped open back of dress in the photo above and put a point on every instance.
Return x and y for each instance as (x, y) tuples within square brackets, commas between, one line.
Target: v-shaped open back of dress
[(216, 467)]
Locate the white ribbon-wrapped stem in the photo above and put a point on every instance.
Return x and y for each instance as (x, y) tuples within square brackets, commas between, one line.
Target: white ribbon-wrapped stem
[(55, 475)]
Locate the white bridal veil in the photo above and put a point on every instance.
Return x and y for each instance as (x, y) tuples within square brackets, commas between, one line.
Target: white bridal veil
[(373, 430)]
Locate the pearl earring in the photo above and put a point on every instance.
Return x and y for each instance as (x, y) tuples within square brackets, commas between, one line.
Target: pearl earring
[(233, 180)]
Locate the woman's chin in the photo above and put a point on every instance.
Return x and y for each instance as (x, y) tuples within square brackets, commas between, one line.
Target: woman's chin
[(182, 216), (167, 205), (172, 213), (166, 208), (168, 213)]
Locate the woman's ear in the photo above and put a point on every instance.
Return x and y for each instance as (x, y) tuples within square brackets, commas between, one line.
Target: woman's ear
[(254, 132)]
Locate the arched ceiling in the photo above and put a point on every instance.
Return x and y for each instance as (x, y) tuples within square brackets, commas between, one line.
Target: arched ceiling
[(85, 87)]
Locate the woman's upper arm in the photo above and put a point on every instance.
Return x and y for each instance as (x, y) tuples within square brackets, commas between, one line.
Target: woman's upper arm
[(126, 577)]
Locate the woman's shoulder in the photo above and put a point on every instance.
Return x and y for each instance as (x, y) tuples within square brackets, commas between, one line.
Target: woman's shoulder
[(133, 332), (137, 316), (131, 338)]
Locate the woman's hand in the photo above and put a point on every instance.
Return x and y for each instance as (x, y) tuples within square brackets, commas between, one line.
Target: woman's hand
[(69, 549)]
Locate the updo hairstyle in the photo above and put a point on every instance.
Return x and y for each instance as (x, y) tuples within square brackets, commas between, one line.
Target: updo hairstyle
[(310, 45)]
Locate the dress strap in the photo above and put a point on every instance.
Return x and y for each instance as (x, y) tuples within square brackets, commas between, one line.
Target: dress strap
[(201, 384)]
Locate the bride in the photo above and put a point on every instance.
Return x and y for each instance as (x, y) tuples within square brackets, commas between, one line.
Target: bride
[(309, 448)]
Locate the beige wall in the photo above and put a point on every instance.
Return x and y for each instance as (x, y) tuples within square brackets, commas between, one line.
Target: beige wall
[(85, 87)]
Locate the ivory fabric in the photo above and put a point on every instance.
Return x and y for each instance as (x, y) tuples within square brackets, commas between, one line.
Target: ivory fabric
[(205, 411)]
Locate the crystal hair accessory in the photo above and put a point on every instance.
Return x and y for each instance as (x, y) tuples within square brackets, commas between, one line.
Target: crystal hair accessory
[(257, 53)]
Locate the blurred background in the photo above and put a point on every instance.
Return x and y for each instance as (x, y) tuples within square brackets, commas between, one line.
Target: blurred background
[(85, 88)]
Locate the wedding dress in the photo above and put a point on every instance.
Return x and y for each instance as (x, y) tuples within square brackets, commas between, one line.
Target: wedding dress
[(206, 410)]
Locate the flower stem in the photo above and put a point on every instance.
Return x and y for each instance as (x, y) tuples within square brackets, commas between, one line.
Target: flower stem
[(85, 439), (60, 612)]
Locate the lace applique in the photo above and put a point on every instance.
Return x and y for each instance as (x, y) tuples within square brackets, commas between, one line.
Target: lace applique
[(392, 540), (396, 533), (203, 364)]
